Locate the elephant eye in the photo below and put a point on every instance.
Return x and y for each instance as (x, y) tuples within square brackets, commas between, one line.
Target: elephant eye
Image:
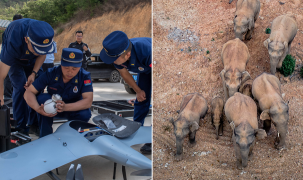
[(235, 16)]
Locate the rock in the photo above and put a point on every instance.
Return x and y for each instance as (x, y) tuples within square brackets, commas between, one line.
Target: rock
[(166, 165), (230, 22), (155, 62), (283, 95), (261, 17), (193, 176), (224, 164)]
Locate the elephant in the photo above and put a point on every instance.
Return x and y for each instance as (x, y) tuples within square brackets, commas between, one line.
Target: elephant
[(266, 89), (235, 56), (283, 31), (247, 12), (241, 113), (193, 108)]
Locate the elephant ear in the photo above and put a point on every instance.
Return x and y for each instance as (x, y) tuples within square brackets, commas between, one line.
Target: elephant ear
[(266, 42), (194, 126), (260, 133), (245, 77), (265, 115), (222, 73)]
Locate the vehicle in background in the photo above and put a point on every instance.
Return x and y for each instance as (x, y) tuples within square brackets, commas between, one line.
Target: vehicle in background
[(99, 70), (127, 87)]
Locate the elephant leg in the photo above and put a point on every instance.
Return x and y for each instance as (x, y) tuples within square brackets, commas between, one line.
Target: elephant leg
[(192, 139), (267, 125), (221, 129), (249, 33)]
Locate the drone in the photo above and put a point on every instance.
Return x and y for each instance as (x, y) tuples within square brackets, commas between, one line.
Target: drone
[(111, 138)]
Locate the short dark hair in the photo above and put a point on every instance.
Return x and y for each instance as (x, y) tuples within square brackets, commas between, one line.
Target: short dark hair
[(79, 32), (17, 16)]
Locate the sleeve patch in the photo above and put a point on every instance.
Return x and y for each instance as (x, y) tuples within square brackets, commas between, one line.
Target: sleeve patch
[(87, 82), (150, 65)]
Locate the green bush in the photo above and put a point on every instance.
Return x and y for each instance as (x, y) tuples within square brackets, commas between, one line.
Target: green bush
[(288, 65), (301, 72)]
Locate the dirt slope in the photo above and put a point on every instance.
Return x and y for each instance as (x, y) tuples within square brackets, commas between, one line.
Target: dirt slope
[(183, 32), (135, 23)]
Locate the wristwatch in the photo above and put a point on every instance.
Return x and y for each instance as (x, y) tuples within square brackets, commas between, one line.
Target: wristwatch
[(35, 73)]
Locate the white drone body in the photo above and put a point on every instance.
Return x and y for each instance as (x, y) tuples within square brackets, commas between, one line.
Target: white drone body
[(50, 104)]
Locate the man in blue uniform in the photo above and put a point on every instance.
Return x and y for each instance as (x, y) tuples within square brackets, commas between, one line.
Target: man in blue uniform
[(133, 55), (71, 82), (25, 43)]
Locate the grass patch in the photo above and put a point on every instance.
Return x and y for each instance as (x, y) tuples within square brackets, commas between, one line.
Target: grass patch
[(166, 128), (207, 52), (268, 31), (288, 65)]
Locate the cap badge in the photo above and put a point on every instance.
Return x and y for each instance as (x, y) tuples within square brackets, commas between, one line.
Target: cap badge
[(46, 41), (72, 55), (141, 68), (75, 90), (76, 81), (56, 79)]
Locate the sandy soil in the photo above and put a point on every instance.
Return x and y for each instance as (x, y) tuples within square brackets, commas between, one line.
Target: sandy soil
[(135, 23), (183, 32)]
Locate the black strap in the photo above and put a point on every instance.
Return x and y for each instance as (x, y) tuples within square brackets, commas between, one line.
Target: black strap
[(34, 72)]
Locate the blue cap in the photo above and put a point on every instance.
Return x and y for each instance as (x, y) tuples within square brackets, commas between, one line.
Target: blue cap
[(71, 57), (115, 44), (41, 34)]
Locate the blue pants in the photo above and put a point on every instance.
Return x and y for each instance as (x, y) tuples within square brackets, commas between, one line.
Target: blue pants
[(8, 88), (142, 108), (18, 75), (45, 123)]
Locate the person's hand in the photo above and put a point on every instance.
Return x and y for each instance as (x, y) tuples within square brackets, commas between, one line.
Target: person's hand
[(131, 101), (43, 113), (60, 106), (30, 80), (85, 48), (141, 96)]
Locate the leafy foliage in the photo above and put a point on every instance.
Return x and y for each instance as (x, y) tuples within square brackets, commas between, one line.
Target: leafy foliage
[(288, 65), (51, 11), (301, 72)]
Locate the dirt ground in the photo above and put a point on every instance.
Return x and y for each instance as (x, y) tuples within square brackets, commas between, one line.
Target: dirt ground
[(183, 32), (136, 22)]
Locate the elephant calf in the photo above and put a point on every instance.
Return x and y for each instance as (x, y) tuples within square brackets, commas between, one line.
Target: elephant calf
[(193, 108), (283, 31), (241, 112), (235, 56), (247, 12), (267, 90), (217, 115)]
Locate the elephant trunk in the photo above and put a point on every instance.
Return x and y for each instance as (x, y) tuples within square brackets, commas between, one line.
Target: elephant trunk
[(179, 143), (273, 65), (244, 155)]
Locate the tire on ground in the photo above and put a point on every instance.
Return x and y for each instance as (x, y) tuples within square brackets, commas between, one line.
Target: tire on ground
[(114, 76)]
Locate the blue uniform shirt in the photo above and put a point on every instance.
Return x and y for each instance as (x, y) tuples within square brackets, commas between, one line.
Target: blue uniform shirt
[(50, 57), (140, 60), (14, 47), (71, 91)]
